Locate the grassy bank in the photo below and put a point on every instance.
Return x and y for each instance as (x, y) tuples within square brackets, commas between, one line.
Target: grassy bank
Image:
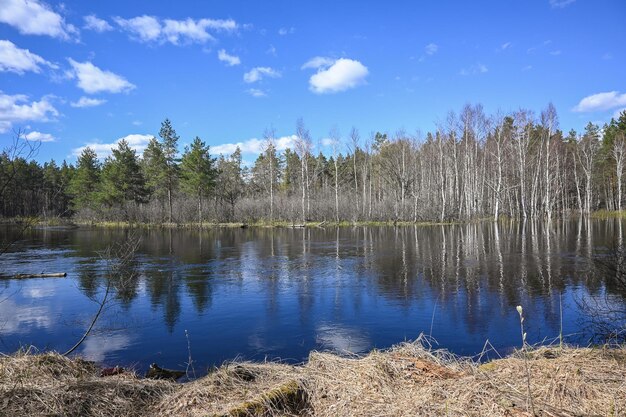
[(69, 222), (405, 380), (207, 225), (608, 214)]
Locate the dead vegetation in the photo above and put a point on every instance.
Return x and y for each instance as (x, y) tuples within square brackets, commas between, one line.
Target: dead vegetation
[(407, 380)]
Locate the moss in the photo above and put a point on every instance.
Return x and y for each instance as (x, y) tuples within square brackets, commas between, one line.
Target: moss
[(290, 397), (488, 367)]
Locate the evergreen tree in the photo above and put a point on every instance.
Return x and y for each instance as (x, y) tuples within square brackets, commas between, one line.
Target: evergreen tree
[(122, 180), (197, 172), (155, 168), (169, 146), (85, 181)]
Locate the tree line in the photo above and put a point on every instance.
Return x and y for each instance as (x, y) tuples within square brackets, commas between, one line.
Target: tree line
[(473, 165)]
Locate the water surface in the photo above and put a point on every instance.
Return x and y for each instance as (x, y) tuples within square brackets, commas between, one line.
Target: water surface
[(279, 293)]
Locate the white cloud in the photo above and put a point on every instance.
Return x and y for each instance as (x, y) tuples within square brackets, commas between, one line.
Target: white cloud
[(431, 48), (87, 102), (286, 31), (92, 22), (144, 28), (505, 45), (318, 62), (271, 50), (39, 137), (18, 109), (341, 75), (559, 4), (254, 145), (92, 79), (255, 92), (186, 31), (555, 53), (328, 142), (258, 73), (32, 17), (477, 68), (600, 102), (18, 60), (230, 60), (136, 141), (150, 29)]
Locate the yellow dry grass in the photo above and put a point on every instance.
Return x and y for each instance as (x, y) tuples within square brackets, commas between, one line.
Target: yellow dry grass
[(407, 380)]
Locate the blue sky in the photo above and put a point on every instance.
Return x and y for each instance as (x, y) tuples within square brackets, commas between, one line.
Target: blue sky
[(90, 72)]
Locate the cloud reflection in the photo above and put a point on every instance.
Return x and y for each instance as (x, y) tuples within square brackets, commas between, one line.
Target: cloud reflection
[(342, 339)]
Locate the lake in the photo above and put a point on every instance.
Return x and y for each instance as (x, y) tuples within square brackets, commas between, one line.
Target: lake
[(279, 293)]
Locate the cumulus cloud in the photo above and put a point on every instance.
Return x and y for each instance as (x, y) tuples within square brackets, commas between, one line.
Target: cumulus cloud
[(92, 22), (333, 76), (600, 102), (560, 4), (254, 145), (431, 48), (230, 60), (151, 29), (39, 137), (475, 69), (18, 109), (87, 102), (318, 62), (258, 73), (136, 141), (32, 17), (18, 60), (143, 28), (255, 92), (92, 79)]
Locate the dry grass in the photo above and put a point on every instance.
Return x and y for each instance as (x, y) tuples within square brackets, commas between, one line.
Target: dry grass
[(407, 380), (52, 385)]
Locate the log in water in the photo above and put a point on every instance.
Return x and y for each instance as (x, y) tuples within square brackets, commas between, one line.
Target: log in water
[(50, 275)]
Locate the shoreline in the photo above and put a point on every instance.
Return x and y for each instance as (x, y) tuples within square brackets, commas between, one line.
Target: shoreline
[(407, 379), (73, 223)]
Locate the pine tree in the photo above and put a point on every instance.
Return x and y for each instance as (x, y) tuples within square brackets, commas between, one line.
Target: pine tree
[(169, 146), (197, 172), (122, 180), (154, 168), (84, 183)]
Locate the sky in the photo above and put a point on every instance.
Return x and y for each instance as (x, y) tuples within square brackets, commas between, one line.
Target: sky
[(88, 73)]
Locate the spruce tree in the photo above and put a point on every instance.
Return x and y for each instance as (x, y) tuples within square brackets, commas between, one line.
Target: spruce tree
[(198, 172)]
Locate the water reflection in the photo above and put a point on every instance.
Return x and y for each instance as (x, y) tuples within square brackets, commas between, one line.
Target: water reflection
[(283, 292)]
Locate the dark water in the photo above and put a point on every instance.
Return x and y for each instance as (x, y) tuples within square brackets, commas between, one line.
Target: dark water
[(279, 293)]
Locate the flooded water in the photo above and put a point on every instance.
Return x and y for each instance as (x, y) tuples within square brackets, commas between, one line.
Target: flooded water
[(279, 293)]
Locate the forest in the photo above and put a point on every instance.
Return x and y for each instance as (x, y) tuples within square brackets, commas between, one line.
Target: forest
[(473, 166)]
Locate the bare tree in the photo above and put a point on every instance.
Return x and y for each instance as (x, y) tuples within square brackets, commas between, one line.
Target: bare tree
[(303, 148), (270, 149), (335, 138), (618, 151)]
